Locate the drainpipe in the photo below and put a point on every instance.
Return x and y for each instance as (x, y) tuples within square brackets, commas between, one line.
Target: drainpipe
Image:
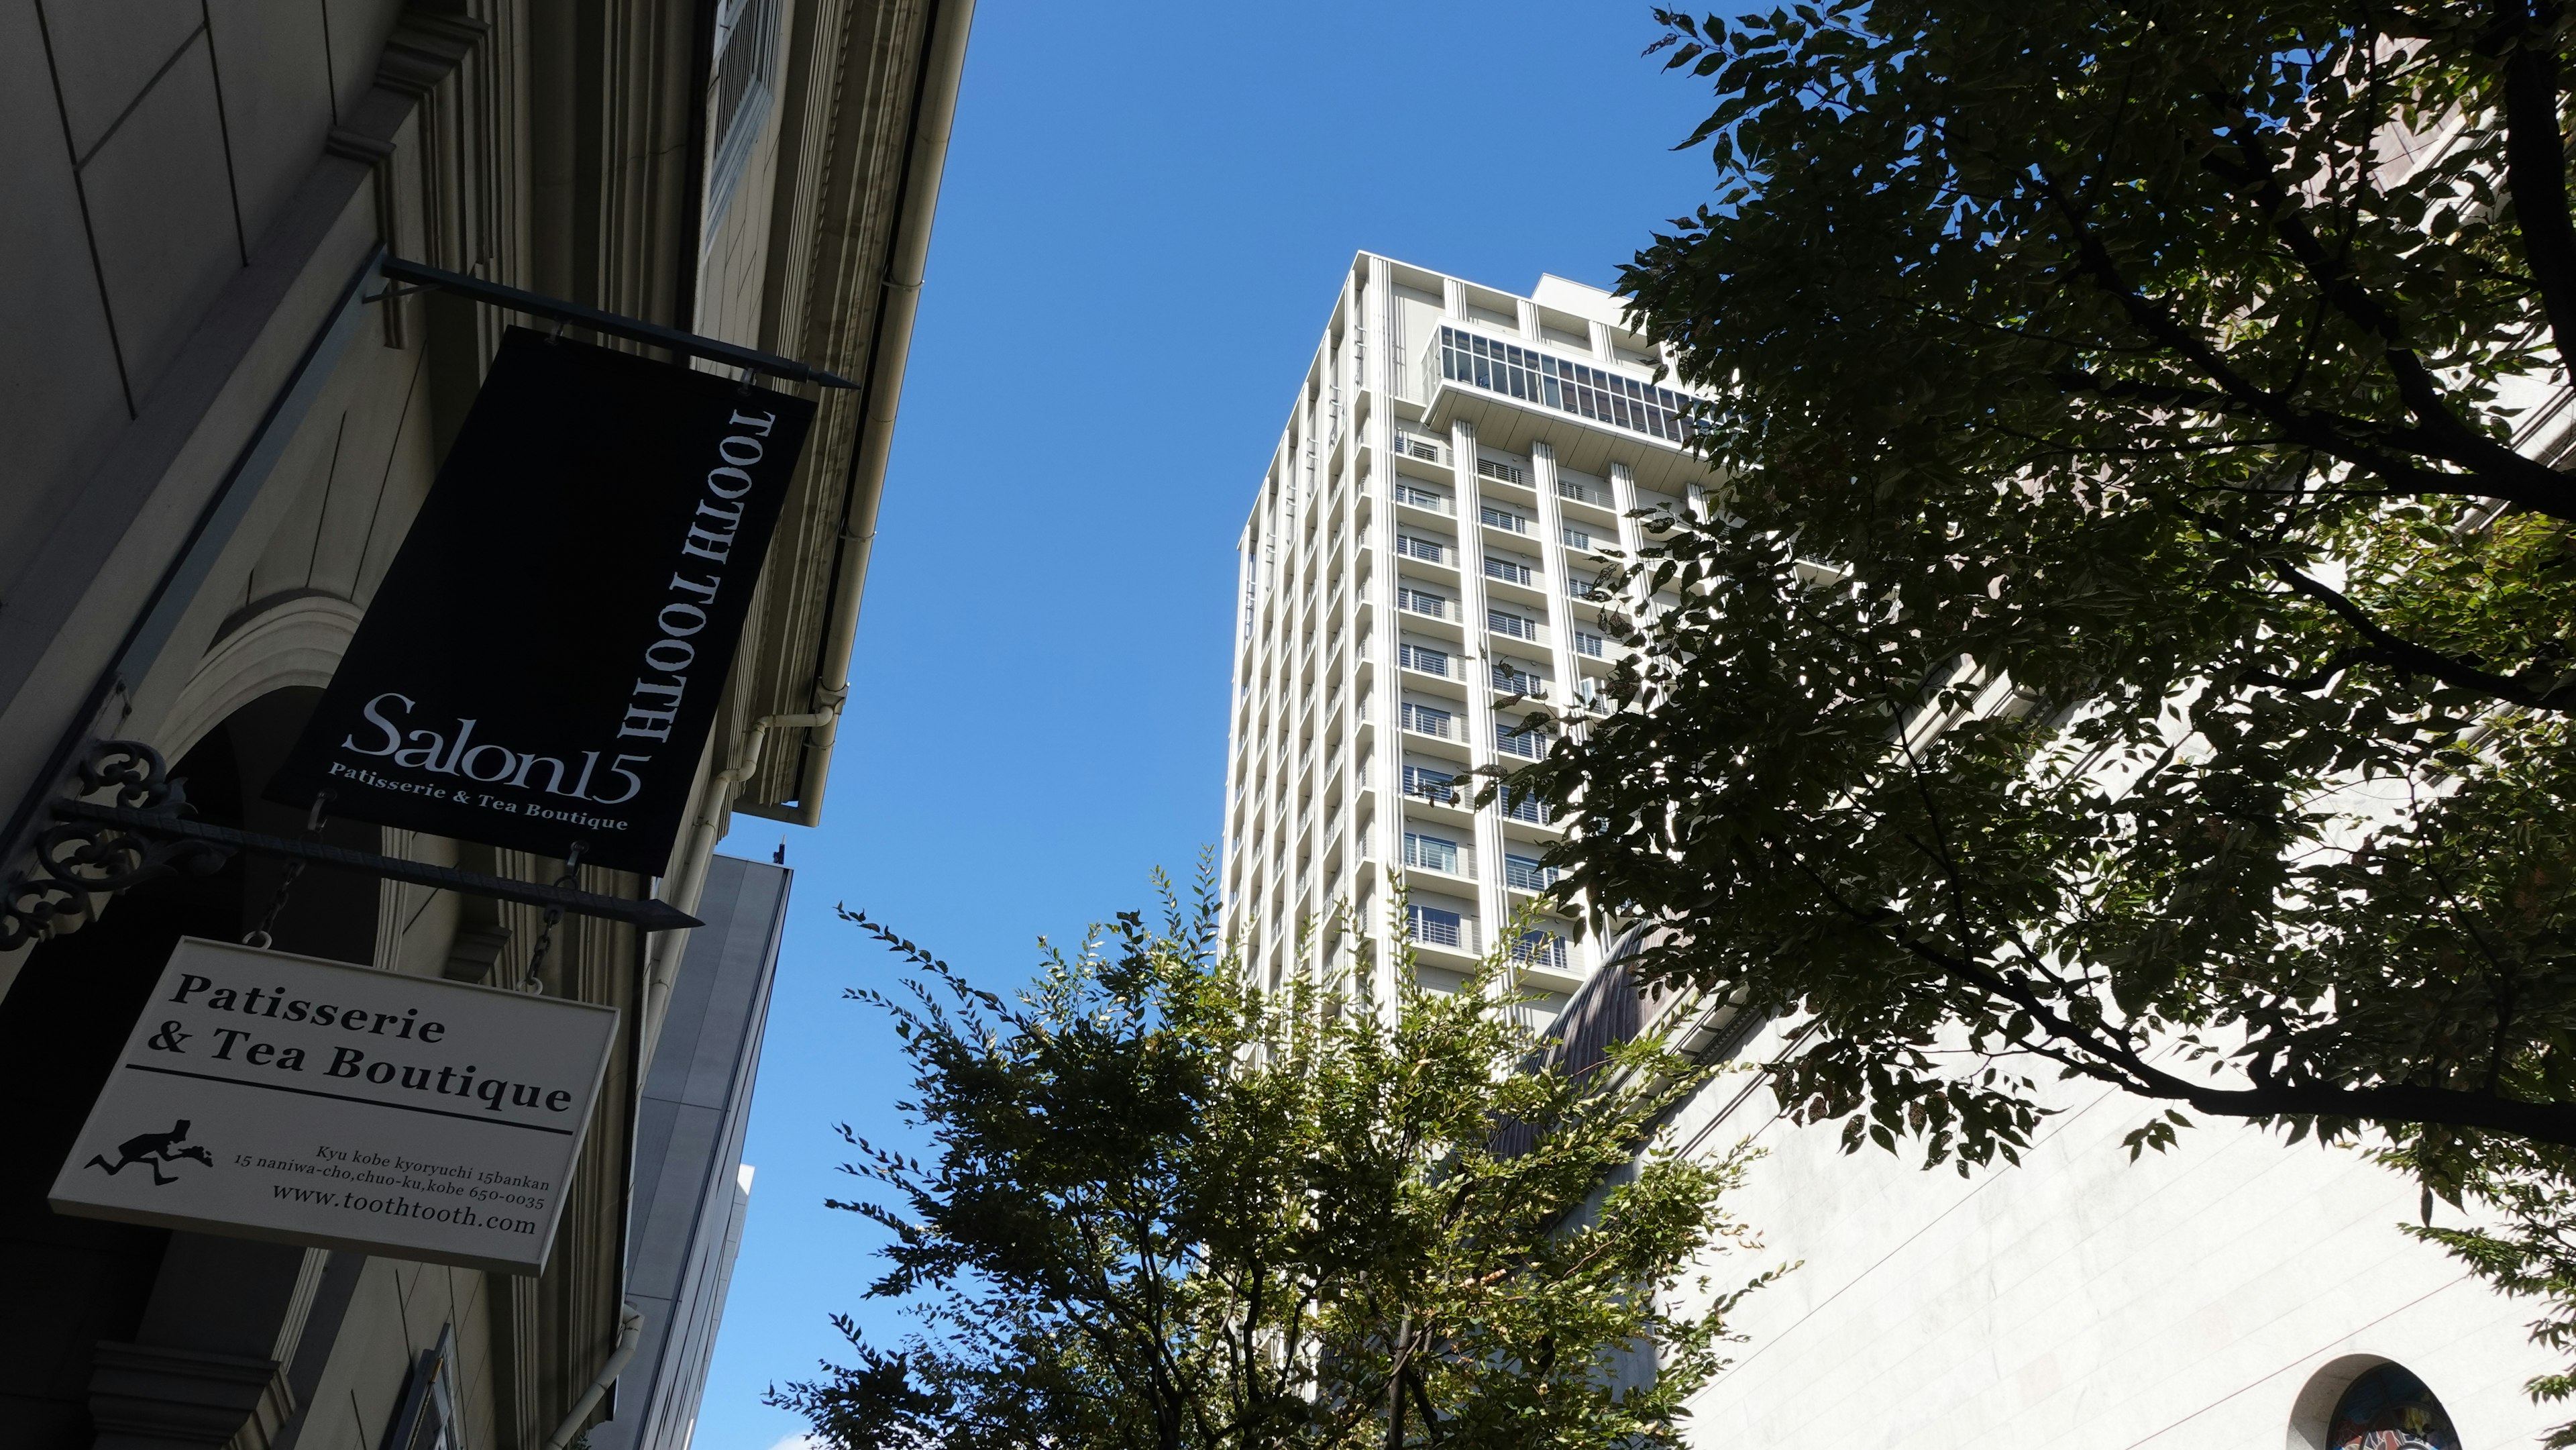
[(934, 112), (630, 1332)]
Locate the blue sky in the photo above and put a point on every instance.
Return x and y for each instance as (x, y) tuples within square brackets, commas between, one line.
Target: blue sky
[(1147, 211)]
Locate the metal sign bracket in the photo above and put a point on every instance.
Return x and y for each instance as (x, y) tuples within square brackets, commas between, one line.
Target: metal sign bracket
[(141, 833)]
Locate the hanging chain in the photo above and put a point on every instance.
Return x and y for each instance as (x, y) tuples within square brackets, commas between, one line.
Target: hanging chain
[(261, 936), (535, 982)]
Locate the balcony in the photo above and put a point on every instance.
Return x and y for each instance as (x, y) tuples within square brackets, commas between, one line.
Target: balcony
[(1422, 498), (1509, 572), (1429, 606), (1437, 787), (1543, 949), (1424, 720), (1591, 645), (1528, 809), (1520, 682), (1495, 468), (1414, 445), (1526, 744), (1428, 550), (1503, 519), (1507, 623), (1582, 492), (1525, 873), (1432, 927), (1438, 853), (1428, 661)]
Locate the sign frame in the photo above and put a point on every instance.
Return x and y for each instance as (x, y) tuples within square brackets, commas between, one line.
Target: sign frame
[(432, 1161)]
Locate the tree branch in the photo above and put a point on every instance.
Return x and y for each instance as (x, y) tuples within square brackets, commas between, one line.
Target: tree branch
[(2535, 153)]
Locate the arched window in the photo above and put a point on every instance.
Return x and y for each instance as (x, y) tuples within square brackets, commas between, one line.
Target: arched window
[(2389, 1409)]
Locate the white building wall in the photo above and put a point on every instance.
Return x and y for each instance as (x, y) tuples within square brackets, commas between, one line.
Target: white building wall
[(1316, 813), (2084, 1302)]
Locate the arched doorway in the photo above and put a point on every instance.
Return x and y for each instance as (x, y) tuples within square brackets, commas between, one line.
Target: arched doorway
[(76, 1281)]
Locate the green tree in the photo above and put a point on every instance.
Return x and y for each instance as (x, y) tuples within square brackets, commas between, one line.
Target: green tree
[(2131, 638), (1165, 1209)]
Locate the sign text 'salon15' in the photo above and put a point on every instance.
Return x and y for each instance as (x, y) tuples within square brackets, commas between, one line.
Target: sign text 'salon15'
[(266, 1095), (542, 663)]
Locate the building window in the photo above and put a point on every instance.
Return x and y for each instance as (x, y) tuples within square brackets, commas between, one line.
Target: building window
[(746, 82), (1431, 785), (1412, 547), (1570, 387), (1503, 519), (1429, 661), (1426, 720), (1416, 601), (1432, 853), (1526, 873), (1434, 927), (427, 1419), (2390, 1409), (1505, 622)]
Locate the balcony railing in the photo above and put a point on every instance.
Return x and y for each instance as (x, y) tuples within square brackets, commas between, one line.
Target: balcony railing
[(1504, 519), (1423, 720), (1414, 445), (1582, 492), (1520, 682), (1428, 661), (1502, 622), (1436, 928), (1496, 468), (1589, 644), (1413, 548), (1529, 809), (1421, 498), (1434, 786), (1526, 873), (1414, 601), (1507, 571), (1527, 744), (1540, 949), (1437, 853)]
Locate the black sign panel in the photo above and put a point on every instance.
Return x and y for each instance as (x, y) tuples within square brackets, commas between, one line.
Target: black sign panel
[(542, 663)]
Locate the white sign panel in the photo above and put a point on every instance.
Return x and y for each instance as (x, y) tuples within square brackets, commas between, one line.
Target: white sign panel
[(271, 1096)]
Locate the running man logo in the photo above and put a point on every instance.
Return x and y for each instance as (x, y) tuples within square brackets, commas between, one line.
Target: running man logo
[(152, 1150)]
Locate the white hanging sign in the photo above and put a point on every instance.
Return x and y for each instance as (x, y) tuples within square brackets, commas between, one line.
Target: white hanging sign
[(264, 1095)]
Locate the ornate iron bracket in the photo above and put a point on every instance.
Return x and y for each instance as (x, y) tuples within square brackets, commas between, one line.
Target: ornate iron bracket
[(139, 832)]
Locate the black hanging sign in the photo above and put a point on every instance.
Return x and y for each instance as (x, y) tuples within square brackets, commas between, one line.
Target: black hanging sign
[(542, 662)]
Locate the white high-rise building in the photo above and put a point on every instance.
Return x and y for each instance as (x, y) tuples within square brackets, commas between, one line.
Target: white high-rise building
[(1415, 574)]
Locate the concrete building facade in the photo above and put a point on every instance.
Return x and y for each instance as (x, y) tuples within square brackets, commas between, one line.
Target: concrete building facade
[(1416, 579), (221, 422)]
